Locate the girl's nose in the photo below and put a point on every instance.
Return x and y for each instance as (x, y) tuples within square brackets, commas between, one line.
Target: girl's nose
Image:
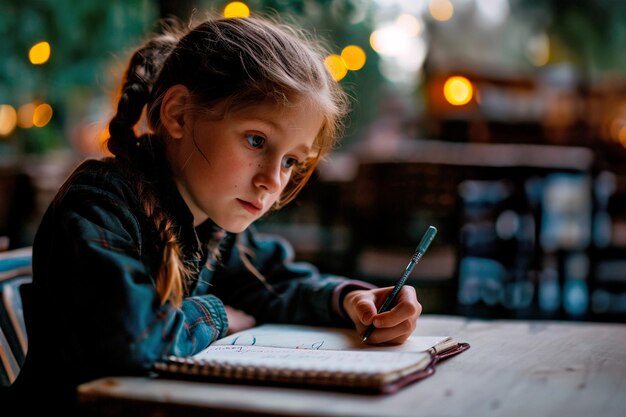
[(268, 177)]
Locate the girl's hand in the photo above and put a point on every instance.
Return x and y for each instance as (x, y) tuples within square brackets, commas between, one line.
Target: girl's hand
[(393, 326), (238, 320)]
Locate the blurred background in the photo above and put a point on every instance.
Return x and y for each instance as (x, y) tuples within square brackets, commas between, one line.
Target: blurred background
[(501, 122)]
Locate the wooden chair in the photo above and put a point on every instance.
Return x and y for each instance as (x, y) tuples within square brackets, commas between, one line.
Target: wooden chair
[(15, 273)]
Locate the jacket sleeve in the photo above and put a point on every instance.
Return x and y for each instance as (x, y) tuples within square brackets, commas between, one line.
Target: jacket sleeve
[(298, 292), (91, 260)]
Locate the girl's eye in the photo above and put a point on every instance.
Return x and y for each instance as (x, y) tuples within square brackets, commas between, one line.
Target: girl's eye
[(255, 141), (289, 162)]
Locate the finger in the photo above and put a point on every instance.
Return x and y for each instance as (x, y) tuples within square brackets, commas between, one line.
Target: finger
[(406, 308), (404, 327), (397, 334), (407, 294), (366, 310)]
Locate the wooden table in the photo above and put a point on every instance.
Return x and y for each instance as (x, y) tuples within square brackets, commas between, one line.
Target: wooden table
[(514, 368)]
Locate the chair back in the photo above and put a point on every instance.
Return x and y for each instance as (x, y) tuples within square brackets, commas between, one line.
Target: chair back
[(15, 275)]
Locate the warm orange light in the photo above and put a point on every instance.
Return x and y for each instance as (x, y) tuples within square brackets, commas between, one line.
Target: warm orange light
[(336, 66), (42, 115), (25, 115), (458, 90), (236, 9), (353, 57), (8, 119), (39, 53), (441, 10)]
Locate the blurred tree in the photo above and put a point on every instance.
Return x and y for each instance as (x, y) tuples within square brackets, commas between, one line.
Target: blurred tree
[(589, 33), (84, 36), (87, 37)]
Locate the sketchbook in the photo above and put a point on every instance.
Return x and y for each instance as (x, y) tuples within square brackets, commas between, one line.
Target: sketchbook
[(313, 356)]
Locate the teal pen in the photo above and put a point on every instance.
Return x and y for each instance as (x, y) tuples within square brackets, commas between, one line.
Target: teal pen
[(419, 252)]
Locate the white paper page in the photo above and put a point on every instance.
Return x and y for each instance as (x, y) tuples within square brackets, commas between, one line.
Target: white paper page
[(320, 338), (315, 360)]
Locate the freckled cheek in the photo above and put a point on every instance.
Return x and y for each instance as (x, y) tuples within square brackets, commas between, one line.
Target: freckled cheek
[(233, 164), (238, 171)]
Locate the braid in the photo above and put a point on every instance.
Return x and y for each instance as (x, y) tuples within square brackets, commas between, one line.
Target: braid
[(142, 72), (143, 69), (173, 274)]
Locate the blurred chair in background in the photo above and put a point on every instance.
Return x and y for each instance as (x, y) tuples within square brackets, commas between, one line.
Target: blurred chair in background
[(15, 273)]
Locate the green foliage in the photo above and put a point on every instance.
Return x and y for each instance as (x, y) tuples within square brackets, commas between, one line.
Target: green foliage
[(84, 36), (89, 38), (593, 32)]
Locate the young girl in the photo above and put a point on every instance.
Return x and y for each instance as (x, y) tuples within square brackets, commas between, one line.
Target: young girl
[(152, 252)]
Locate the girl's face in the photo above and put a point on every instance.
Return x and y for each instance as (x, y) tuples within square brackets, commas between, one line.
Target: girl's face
[(232, 170)]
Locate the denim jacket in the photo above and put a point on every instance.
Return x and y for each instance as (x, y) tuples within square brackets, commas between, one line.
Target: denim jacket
[(93, 309)]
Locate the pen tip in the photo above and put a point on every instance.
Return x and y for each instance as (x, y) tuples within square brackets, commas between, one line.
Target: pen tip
[(363, 339)]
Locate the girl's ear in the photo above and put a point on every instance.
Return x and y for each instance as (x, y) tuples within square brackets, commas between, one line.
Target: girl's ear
[(173, 106)]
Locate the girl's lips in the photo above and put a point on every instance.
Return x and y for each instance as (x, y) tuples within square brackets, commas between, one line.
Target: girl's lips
[(249, 206)]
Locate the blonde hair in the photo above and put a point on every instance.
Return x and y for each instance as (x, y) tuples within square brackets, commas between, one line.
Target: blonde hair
[(235, 62)]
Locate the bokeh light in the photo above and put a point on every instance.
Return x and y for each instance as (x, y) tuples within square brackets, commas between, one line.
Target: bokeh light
[(441, 10), (458, 90), (336, 66), (42, 115), (390, 41), (236, 9), (402, 48), (409, 24), (353, 57), (8, 119), (39, 53), (25, 115)]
